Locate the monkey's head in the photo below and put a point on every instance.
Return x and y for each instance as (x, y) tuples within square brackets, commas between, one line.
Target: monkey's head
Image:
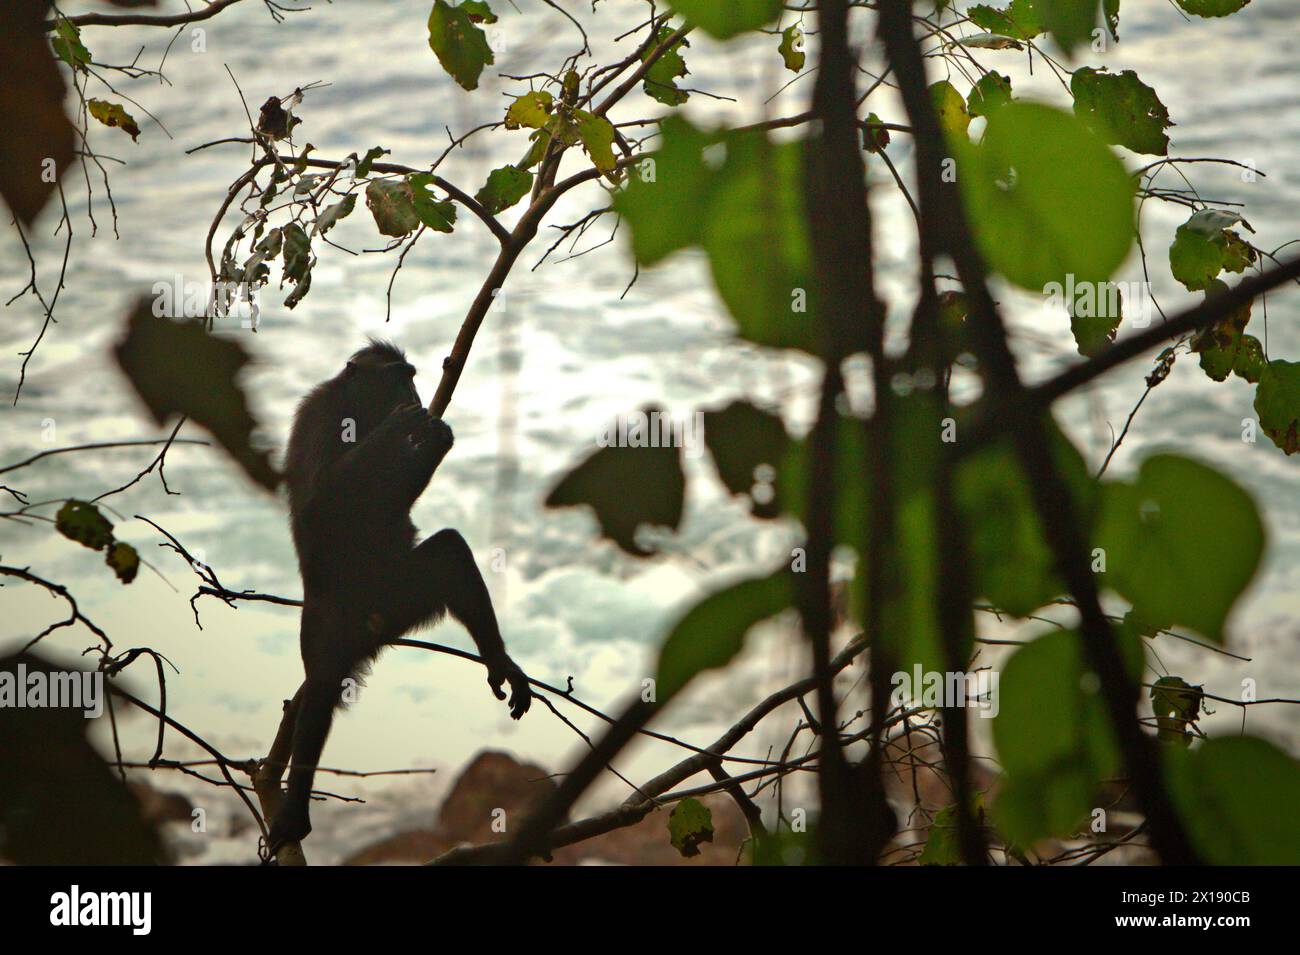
[(376, 380)]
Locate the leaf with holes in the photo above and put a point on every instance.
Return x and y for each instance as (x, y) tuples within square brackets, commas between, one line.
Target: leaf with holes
[(112, 114), (1121, 109), (461, 47), (748, 444), (1177, 706), (82, 522), (436, 214), (124, 560), (532, 110), (661, 79), (67, 44), (791, 48), (1021, 20), (689, 824), (392, 203), (627, 486), (597, 135)]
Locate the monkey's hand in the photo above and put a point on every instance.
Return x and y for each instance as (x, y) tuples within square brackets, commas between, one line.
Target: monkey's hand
[(421, 430), (505, 670)]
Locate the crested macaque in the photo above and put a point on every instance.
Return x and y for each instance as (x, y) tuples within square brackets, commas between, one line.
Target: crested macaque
[(362, 449)]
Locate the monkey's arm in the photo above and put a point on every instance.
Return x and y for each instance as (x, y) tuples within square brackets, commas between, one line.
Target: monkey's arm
[(393, 465)]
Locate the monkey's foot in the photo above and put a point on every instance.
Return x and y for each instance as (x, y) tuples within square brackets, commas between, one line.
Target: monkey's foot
[(506, 670), (288, 827)]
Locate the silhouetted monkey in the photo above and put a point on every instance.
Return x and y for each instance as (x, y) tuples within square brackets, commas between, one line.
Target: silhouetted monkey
[(363, 448)]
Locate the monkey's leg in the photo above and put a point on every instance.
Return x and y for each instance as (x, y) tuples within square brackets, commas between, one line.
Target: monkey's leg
[(320, 694), (443, 576)]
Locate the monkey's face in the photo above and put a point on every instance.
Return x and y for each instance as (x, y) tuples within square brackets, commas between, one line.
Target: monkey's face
[(375, 389)]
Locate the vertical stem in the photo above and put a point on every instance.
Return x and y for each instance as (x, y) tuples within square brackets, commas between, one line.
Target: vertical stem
[(849, 318)]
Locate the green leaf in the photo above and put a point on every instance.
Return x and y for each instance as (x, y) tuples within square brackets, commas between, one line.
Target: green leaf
[(67, 44), (627, 486), (297, 252), (1121, 109), (748, 444), (941, 843), (1177, 706), (1046, 197), (875, 137), (462, 48), (112, 114), (363, 167), (438, 215), (597, 134), (724, 20), (1277, 403), (950, 106), (689, 824), (667, 193), (1203, 247), (532, 110), (1218, 345), (1110, 10), (299, 292), (713, 631), (1211, 8), (661, 79), (177, 367), (478, 11), (756, 214), (992, 91), (1021, 20), (82, 522), (1182, 542), (124, 560), (340, 210), (1095, 315), (504, 187), (1053, 739), (791, 48), (1070, 22), (255, 268), (392, 203), (1249, 361), (1235, 796), (1010, 563)]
